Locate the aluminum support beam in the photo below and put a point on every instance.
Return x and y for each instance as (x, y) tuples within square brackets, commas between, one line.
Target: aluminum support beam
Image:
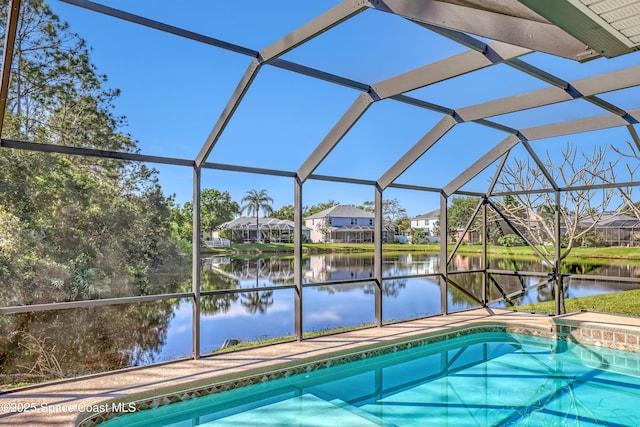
[(546, 96), (377, 255), (316, 26), (342, 179), (444, 266), (507, 297), (465, 291), (90, 152), (485, 259), (577, 126), (346, 122), (615, 80), (466, 230), (7, 58), (557, 267), (318, 74), (547, 131), (414, 153), (117, 155), (539, 36), (32, 308), (297, 258), (575, 188), (233, 103), (570, 89), (523, 192), (445, 69), (481, 164), (415, 187), (156, 25), (634, 136), (541, 165), (515, 229), (494, 180), (195, 263), (519, 273), (248, 169), (582, 89), (604, 278)]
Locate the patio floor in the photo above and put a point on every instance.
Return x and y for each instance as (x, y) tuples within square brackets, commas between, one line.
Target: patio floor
[(64, 398)]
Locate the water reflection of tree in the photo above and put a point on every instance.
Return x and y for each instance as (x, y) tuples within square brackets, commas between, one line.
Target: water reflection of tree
[(471, 282), (390, 287), (211, 280), (582, 267), (548, 292), (82, 341), (256, 301)]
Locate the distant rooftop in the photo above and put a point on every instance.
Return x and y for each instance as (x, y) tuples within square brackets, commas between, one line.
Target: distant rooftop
[(429, 215), (342, 211)]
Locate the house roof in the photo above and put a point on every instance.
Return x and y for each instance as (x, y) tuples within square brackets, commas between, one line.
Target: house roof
[(245, 222), (613, 220), (342, 211), (429, 215)]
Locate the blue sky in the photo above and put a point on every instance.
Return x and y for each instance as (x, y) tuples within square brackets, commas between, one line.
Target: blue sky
[(174, 89)]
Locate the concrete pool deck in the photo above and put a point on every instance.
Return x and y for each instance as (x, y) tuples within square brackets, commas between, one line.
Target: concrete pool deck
[(65, 403)]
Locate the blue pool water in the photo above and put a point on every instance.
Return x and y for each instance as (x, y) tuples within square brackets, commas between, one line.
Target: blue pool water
[(483, 379)]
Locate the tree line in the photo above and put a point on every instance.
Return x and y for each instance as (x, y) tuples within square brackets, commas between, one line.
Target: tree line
[(73, 227)]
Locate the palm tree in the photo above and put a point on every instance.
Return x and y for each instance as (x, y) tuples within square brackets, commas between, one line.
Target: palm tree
[(253, 202)]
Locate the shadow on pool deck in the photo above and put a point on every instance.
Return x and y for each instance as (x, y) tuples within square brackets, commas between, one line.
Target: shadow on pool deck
[(63, 403)]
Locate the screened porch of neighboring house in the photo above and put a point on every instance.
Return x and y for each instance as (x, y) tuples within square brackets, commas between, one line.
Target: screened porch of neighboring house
[(272, 230)]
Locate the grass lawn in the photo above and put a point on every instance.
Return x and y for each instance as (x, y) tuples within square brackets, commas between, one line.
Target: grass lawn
[(626, 303)]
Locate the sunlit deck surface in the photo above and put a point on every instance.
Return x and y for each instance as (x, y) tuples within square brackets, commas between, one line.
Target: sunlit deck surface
[(160, 379)]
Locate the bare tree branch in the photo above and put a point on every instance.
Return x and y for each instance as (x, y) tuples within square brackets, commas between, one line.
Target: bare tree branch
[(533, 212)]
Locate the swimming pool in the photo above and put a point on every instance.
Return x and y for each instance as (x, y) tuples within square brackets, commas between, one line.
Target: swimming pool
[(485, 378)]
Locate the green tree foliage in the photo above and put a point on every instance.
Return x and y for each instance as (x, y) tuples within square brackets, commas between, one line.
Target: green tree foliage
[(319, 207), (216, 208), (254, 202), (182, 223), (285, 212), (92, 227), (75, 227), (511, 240), (459, 213)]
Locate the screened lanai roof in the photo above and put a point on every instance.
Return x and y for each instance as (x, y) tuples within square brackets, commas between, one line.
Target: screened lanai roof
[(427, 95), (249, 223), (354, 100)]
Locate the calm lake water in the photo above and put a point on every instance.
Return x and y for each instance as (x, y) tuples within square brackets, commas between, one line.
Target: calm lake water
[(103, 338), (256, 315)]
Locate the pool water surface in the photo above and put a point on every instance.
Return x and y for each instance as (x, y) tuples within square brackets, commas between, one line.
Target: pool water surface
[(482, 379)]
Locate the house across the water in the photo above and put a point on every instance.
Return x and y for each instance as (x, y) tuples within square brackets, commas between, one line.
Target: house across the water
[(345, 224)]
